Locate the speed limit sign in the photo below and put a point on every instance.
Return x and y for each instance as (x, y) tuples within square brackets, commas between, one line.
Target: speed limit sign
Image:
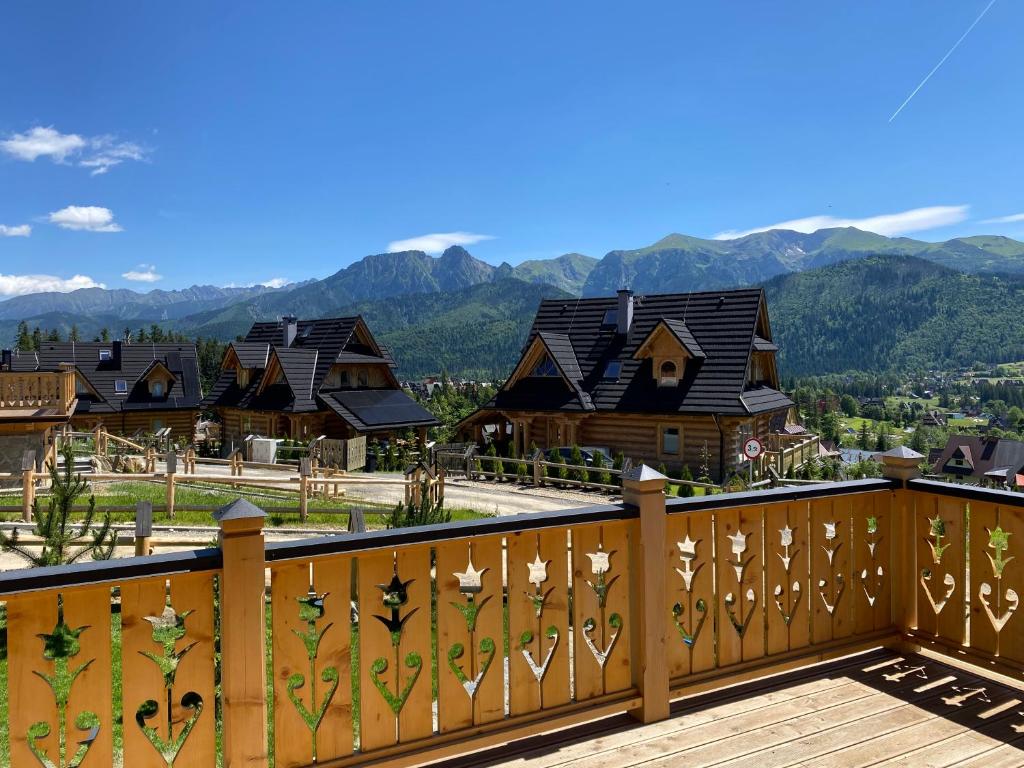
[(752, 448)]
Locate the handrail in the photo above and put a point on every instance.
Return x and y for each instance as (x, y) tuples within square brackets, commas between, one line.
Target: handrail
[(81, 574), (779, 495), (530, 521), (971, 492)]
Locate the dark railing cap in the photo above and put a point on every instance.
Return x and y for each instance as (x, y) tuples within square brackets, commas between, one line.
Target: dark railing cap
[(969, 492), (239, 509), (642, 473), (780, 495)]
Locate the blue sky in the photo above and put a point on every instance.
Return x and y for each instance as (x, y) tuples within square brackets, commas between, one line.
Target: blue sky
[(238, 143)]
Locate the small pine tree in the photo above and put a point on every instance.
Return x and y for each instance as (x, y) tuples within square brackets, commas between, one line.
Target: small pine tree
[(685, 474), (618, 462), (60, 537), (704, 469), (603, 475), (426, 512), (562, 473), (864, 437), (662, 469), (497, 466), (576, 459)]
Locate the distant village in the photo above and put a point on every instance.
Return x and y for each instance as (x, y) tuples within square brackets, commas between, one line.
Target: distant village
[(680, 381)]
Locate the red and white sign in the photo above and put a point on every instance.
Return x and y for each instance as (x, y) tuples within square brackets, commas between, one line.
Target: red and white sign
[(752, 448)]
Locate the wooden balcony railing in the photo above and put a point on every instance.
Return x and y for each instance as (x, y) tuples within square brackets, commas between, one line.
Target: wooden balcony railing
[(39, 389), (399, 647)]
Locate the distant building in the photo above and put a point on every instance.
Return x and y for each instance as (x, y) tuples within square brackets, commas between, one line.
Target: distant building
[(304, 378), (933, 419), (985, 460), (126, 388), (660, 378)]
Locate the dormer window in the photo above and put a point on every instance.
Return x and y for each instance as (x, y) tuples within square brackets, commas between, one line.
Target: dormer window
[(668, 374), (242, 377), (106, 356), (121, 386), (546, 367), (157, 389)]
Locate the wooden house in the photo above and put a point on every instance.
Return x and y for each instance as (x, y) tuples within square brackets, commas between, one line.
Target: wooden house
[(127, 388), (657, 377), (305, 378)]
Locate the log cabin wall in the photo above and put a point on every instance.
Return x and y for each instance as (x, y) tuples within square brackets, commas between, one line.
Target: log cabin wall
[(640, 436), (181, 421)]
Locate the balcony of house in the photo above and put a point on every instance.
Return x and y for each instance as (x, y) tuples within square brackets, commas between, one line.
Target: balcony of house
[(37, 395), (853, 623)]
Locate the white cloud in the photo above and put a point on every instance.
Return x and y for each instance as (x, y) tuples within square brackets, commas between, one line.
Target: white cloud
[(437, 242), (1011, 219), (90, 218), (19, 285), (144, 273), (890, 224), (276, 282), (100, 153), (22, 230), (42, 142)]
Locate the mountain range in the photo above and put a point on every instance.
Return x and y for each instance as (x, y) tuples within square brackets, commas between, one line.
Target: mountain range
[(460, 313)]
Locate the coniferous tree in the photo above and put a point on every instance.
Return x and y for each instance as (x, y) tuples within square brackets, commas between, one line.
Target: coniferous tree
[(63, 541), (24, 340), (685, 474), (426, 512)]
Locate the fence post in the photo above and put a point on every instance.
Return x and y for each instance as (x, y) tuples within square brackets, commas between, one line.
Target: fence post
[(644, 488), (28, 484), (305, 469), (172, 467), (902, 463), (143, 527), (536, 468), (243, 629)]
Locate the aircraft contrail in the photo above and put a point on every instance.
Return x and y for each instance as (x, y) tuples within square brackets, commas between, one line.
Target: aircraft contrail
[(943, 60)]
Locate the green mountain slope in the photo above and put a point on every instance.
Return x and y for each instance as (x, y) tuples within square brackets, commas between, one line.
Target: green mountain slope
[(683, 263), (893, 312), (568, 272)]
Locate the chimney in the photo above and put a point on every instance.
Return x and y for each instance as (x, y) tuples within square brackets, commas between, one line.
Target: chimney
[(290, 323), (5, 363), (625, 314), (115, 352)]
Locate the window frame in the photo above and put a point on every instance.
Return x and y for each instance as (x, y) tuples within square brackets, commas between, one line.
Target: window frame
[(545, 362), (106, 355), (121, 386), (663, 430)]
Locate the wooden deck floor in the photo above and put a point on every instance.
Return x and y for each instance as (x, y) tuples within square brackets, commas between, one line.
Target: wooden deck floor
[(875, 709)]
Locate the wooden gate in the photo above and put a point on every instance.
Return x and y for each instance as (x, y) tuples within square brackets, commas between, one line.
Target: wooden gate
[(348, 455)]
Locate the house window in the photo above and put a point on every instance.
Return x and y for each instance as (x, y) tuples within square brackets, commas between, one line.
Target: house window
[(242, 377), (156, 425), (546, 367), (611, 319), (670, 441), (343, 379), (157, 389), (613, 369), (81, 388), (364, 380), (120, 386), (105, 356), (667, 374)]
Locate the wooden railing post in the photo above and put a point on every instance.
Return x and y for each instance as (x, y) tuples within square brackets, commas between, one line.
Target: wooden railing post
[(243, 629), (28, 484), (902, 463), (171, 467), (143, 527), (305, 470), (644, 488)]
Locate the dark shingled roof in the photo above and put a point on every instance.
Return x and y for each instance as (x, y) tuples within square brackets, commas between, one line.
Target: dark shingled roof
[(369, 410), (718, 328), (317, 346), (129, 363)]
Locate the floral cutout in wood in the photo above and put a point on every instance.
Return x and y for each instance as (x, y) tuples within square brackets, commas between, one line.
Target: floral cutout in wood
[(999, 543), (311, 612), (831, 546), (538, 571), (168, 629), (470, 586), (936, 533), (872, 576), (59, 647), (787, 608), (740, 621), (688, 554), (395, 594), (600, 565)]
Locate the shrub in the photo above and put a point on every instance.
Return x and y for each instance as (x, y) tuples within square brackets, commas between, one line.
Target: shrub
[(603, 476), (686, 474), (411, 514), (576, 459)]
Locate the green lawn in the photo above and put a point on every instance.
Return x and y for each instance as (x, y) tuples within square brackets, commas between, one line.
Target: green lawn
[(129, 492)]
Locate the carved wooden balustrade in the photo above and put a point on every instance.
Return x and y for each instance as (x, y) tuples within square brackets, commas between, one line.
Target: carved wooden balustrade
[(398, 647), (38, 389)]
